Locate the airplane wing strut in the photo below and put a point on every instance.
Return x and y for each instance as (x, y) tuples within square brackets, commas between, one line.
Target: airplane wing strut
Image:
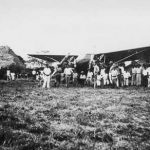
[(52, 59), (129, 56)]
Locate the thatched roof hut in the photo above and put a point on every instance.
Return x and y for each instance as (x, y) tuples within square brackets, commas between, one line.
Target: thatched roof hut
[(9, 58)]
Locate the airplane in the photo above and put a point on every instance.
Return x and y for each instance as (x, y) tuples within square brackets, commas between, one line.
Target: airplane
[(84, 62)]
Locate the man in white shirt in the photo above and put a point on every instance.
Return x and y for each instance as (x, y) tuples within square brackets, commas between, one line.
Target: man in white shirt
[(46, 76), (68, 72)]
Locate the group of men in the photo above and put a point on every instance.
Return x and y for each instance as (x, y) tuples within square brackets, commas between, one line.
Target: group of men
[(99, 76), (120, 76), (67, 76)]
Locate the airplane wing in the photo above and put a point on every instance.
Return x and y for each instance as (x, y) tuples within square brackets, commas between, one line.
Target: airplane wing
[(126, 55), (51, 58)]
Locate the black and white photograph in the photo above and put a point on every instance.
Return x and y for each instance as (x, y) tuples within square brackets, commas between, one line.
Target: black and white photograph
[(74, 75)]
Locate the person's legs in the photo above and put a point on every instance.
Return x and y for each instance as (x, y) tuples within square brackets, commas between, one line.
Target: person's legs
[(149, 81), (75, 81), (124, 82), (58, 79), (117, 82), (44, 83), (91, 81), (48, 81), (98, 83), (95, 81), (144, 81), (67, 81), (113, 82), (7, 78), (133, 79), (104, 81), (107, 82), (140, 79), (127, 81), (137, 79)]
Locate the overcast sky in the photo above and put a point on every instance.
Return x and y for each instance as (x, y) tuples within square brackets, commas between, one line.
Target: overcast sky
[(75, 26)]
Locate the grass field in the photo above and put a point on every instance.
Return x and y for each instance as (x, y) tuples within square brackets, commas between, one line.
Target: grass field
[(32, 118)]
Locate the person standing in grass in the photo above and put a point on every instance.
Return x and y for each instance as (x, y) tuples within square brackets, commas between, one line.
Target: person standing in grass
[(145, 76), (139, 75), (12, 76), (105, 79), (8, 73), (126, 76), (122, 68), (148, 73), (89, 78), (46, 77), (82, 79), (58, 77), (96, 70), (34, 74), (133, 71), (68, 72), (99, 80), (114, 76), (75, 78)]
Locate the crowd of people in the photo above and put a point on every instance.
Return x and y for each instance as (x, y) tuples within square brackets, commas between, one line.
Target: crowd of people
[(97, 76), (114, 76)]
